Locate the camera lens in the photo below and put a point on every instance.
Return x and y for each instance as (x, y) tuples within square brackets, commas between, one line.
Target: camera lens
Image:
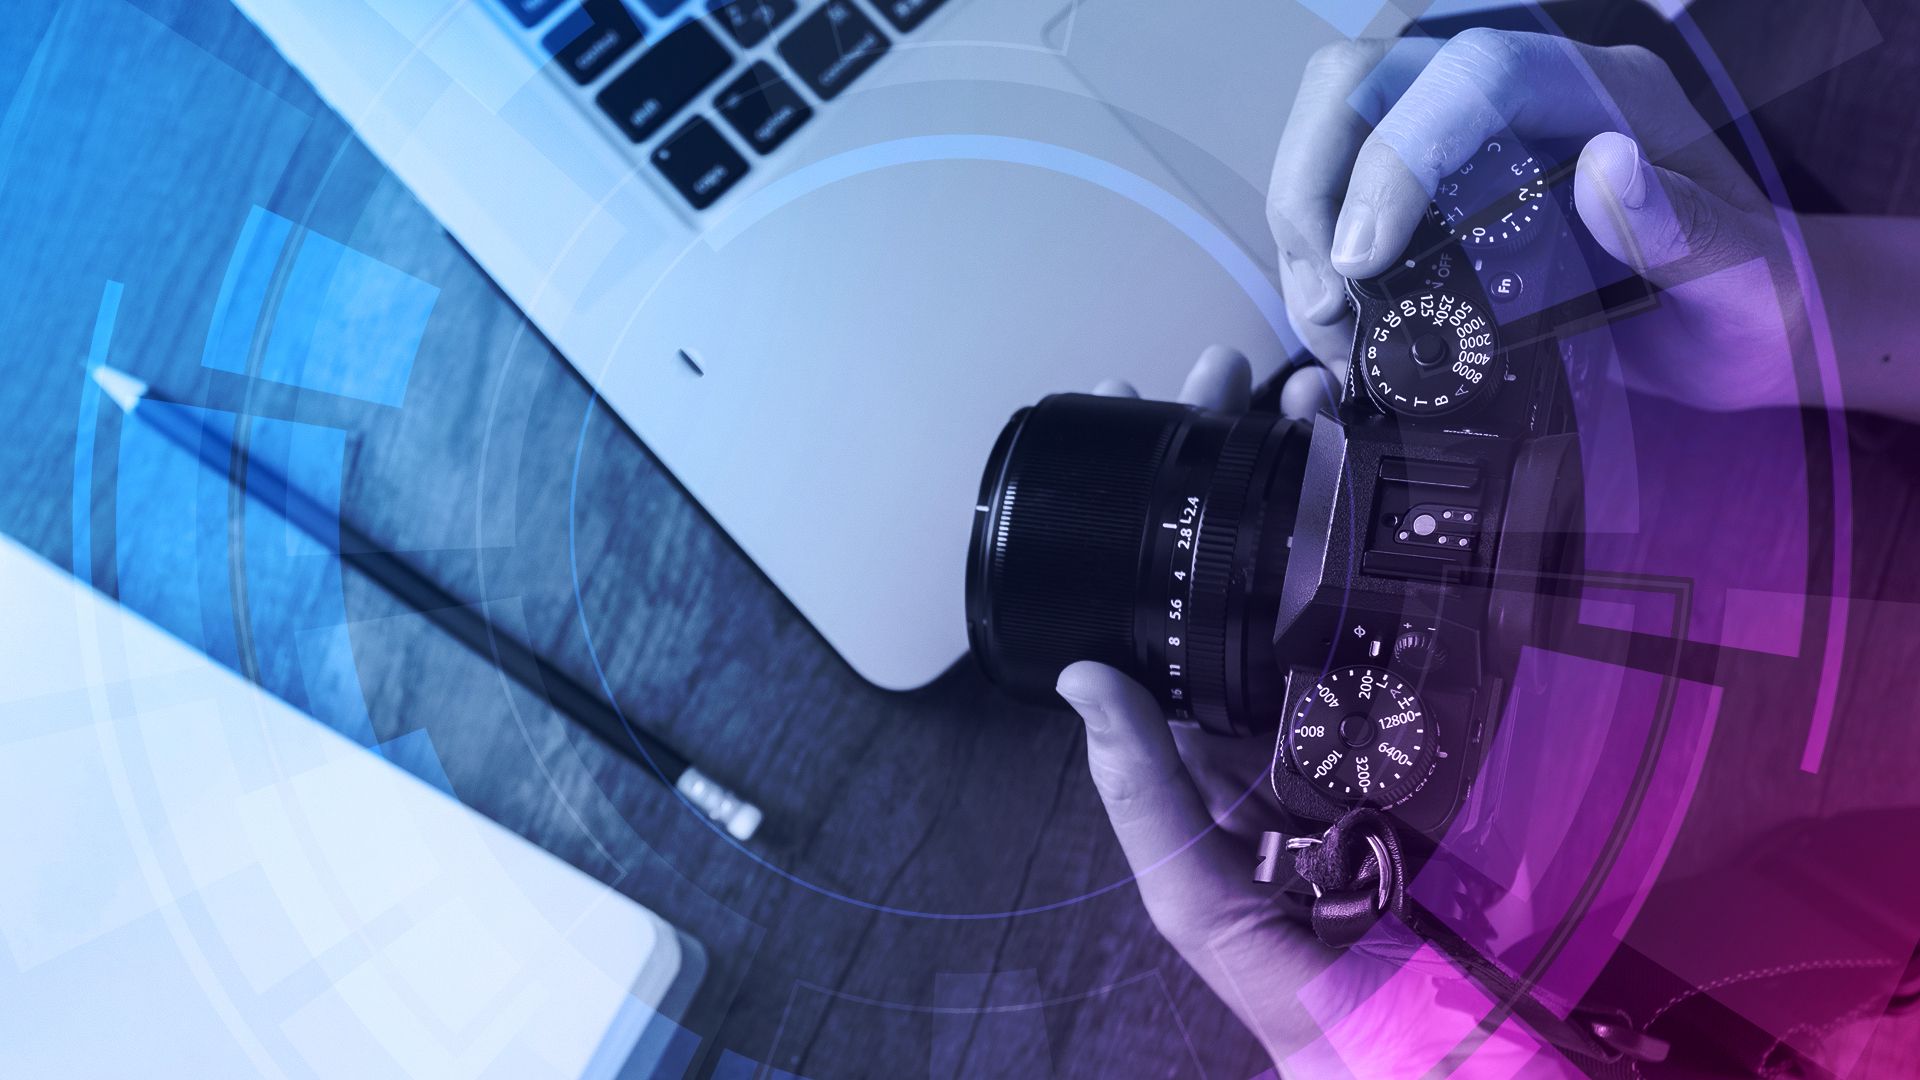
[(1142, 534)]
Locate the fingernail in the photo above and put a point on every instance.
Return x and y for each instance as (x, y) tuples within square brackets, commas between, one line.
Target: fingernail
[(1311, 296), (1626, 172), (1353, 237), (1331, 308), (1634, 195), (1090, 712), (1306, 290)]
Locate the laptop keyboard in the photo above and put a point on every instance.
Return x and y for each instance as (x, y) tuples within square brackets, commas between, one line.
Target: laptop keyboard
[(530, 12), (762, 108), (750, 21), (700, 162), (667, 76), (832, 46), (592, 38), (660, 69)]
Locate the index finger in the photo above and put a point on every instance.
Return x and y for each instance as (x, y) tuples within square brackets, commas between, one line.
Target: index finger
[(1332, 116), (1483, 82)]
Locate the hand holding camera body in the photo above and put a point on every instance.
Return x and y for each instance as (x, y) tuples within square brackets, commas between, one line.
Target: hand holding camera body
[(1362, 585)]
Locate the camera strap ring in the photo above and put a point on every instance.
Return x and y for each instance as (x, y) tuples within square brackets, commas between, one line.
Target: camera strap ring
[(1297, 843), (1357, 874), (1355, 869)]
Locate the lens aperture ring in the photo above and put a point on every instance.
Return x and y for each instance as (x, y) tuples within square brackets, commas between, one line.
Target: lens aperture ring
[(1146, 535), (1223, 517), (1054, 567)]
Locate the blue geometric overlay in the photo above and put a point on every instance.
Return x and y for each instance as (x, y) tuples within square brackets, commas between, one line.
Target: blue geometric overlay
[(244, 290), (414, 752), (342, 322), (1349, 17), (171, 533), (84, 433), (174, 534)]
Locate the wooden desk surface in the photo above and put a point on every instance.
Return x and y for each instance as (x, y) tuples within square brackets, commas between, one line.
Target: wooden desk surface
[(137, 139)]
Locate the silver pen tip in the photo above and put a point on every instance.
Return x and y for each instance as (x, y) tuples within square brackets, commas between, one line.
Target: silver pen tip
[(125, 390)]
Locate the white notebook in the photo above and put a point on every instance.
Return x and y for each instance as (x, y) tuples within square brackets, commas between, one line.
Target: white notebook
[(199, 881)]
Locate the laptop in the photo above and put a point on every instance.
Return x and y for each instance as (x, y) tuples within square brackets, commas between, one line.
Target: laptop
[(202, 881), (816, 252)]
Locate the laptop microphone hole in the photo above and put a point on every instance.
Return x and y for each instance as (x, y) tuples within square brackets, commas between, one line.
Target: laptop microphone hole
[(688, 357)]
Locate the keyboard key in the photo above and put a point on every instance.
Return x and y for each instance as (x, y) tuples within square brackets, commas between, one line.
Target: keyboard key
[(529, 12), (587, 51), (666, 77), (750, 21), (576, 23), (832, 46), (907, 14), (699, 161), (762, 107)]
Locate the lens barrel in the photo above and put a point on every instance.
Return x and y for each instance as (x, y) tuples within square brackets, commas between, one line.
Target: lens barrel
[(1142, 534)]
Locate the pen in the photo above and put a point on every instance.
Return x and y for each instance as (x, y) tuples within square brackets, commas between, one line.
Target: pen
[(466, 625)]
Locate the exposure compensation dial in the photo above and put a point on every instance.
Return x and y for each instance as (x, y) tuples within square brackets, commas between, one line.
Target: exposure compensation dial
[(1361, 735), (1497, 201)]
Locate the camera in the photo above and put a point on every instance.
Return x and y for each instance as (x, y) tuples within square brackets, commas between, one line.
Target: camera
[(1361, 585)]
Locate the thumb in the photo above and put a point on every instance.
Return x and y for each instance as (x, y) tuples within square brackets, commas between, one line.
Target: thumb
[(1195, 882), (1191, 875), (1662, 224), (1149, 796)]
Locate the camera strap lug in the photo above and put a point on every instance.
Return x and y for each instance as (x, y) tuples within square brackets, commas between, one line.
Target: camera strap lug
[(1355, 869), (1267, 870), (1357, 873)]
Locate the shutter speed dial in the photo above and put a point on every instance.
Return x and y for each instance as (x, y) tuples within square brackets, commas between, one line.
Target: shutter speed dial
[(1430, 354), (1361, 735)]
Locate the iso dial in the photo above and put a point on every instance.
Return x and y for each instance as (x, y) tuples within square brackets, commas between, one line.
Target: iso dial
[(1361, 735), (1429, 354)]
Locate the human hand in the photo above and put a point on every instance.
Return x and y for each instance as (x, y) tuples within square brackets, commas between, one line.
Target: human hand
[(1189, 807), (1345, 196), (1166, 785)]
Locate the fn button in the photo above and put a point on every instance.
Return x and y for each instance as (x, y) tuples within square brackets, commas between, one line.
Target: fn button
[(1507, 287)]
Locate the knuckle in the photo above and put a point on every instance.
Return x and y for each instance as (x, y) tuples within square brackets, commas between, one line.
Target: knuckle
[(1695, 222), (1343, 61), (1640, 67), (1331, 57), (1640, 60), (1700, 225), (1129, 797), (1488, 51), (1284, 204), (1284, 215)]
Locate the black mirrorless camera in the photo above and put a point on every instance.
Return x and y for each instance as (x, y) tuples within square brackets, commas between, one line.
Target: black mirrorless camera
[(1363, 583)]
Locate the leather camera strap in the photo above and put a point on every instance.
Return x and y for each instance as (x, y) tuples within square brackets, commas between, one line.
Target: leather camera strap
[(1358, 872)]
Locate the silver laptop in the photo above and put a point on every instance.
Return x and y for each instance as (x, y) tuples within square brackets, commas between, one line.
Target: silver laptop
[(816, 252)]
